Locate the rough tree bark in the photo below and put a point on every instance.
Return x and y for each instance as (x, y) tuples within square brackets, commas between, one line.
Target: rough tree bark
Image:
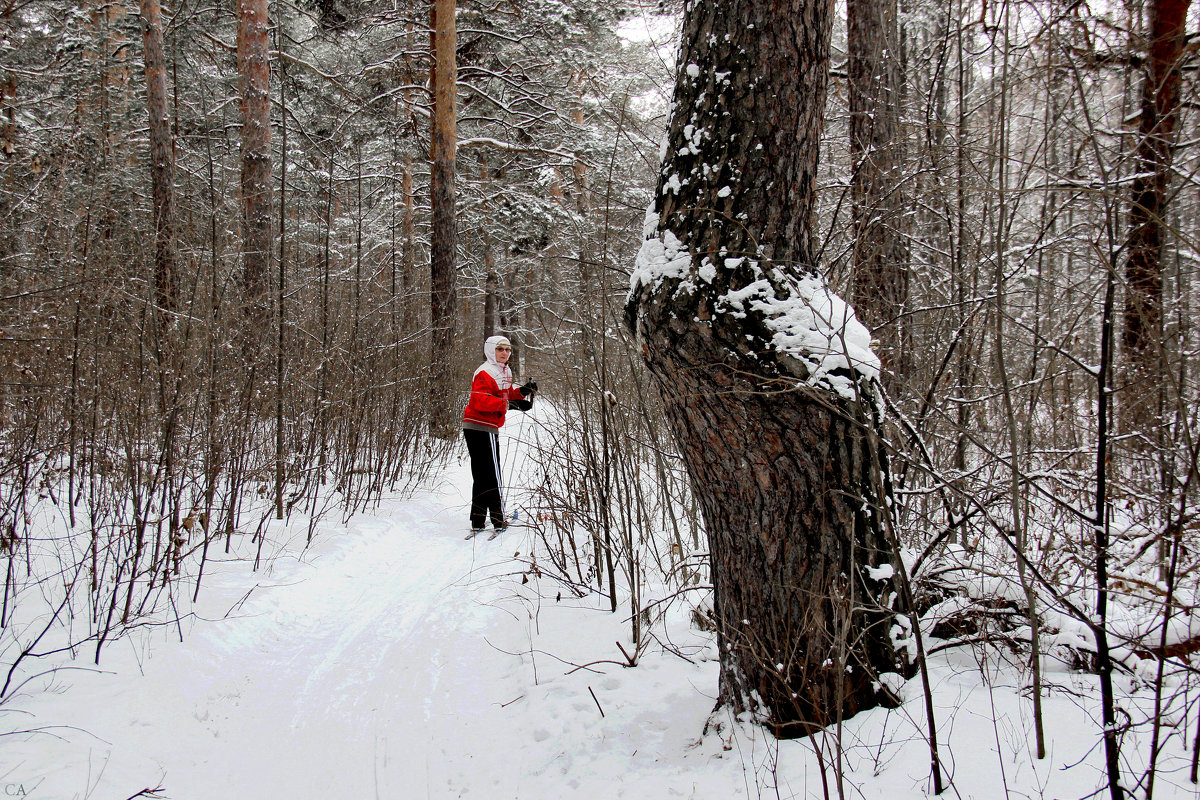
[(408, 228), (766, 375), (1142, 335), (162, 156), (510, 314), (408, 225), (491, 286), (254, 70), (444, 230), (881, 250), (8, 114)]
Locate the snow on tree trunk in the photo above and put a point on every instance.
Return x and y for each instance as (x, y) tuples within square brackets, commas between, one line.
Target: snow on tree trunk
[(767, 376)]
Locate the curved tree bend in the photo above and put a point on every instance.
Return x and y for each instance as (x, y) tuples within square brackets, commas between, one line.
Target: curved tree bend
[(767, 376)]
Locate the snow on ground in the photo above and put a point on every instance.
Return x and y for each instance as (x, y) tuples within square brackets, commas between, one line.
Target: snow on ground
[(393, 659)]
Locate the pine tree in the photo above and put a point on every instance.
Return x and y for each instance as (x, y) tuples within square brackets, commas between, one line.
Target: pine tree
[(765, 374)]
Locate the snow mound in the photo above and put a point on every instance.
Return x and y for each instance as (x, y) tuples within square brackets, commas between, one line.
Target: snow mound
[(807, 319)]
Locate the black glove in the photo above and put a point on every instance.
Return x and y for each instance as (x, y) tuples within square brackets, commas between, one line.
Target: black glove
[(528, 390), (520, 404)]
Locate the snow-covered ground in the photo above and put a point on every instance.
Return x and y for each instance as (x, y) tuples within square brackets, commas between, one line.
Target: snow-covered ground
[(393, 659)]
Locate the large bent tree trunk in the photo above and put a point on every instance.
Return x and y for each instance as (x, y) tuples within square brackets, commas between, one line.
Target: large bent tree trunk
[(766, 375)]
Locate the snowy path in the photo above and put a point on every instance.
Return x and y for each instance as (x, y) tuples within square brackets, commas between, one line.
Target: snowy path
[(393, 659), (337, 670), (358, 673)]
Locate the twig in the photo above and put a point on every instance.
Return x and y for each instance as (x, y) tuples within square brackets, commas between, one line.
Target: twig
[(147, 793), (593, 694)]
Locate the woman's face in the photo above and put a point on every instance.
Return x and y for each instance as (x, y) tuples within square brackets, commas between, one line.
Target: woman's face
[(503, 353)]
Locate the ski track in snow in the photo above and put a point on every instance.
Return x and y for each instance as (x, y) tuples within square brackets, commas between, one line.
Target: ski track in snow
[(362, 669), (393, 659)]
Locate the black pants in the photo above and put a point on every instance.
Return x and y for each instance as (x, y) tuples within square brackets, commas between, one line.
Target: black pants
[(485, 478)]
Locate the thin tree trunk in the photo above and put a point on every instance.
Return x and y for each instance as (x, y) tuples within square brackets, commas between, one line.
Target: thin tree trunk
[(443, 299), (1143, 316), (1112, 747), (326, 349), (1141, 408), (254, 70), (162, 157), (1173, 536), (491, 279), (491, 286), (213, 452), (510, 317), (881, 250), (964, 283), (280, 317), (408, 233), (8, 116), (1019, 521)]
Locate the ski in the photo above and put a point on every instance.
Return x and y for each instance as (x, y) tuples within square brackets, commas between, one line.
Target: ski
[(512, 523)]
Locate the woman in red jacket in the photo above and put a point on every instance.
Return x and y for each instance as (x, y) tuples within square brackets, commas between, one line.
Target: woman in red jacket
[(492, 392)]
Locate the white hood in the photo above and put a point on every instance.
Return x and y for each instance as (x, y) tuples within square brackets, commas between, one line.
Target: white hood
[(499, 372), (489, 347)]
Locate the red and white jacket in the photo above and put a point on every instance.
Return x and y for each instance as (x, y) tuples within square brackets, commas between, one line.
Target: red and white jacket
[(491, 389)]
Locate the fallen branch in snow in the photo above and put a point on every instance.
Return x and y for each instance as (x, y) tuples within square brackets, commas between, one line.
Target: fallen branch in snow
[(575, 667), (593, 694), (588, 666), (988, 638), (703, 587), (672, 648), (1176, 650)]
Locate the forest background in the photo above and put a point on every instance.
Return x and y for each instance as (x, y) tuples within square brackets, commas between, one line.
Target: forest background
[(217, 306)]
